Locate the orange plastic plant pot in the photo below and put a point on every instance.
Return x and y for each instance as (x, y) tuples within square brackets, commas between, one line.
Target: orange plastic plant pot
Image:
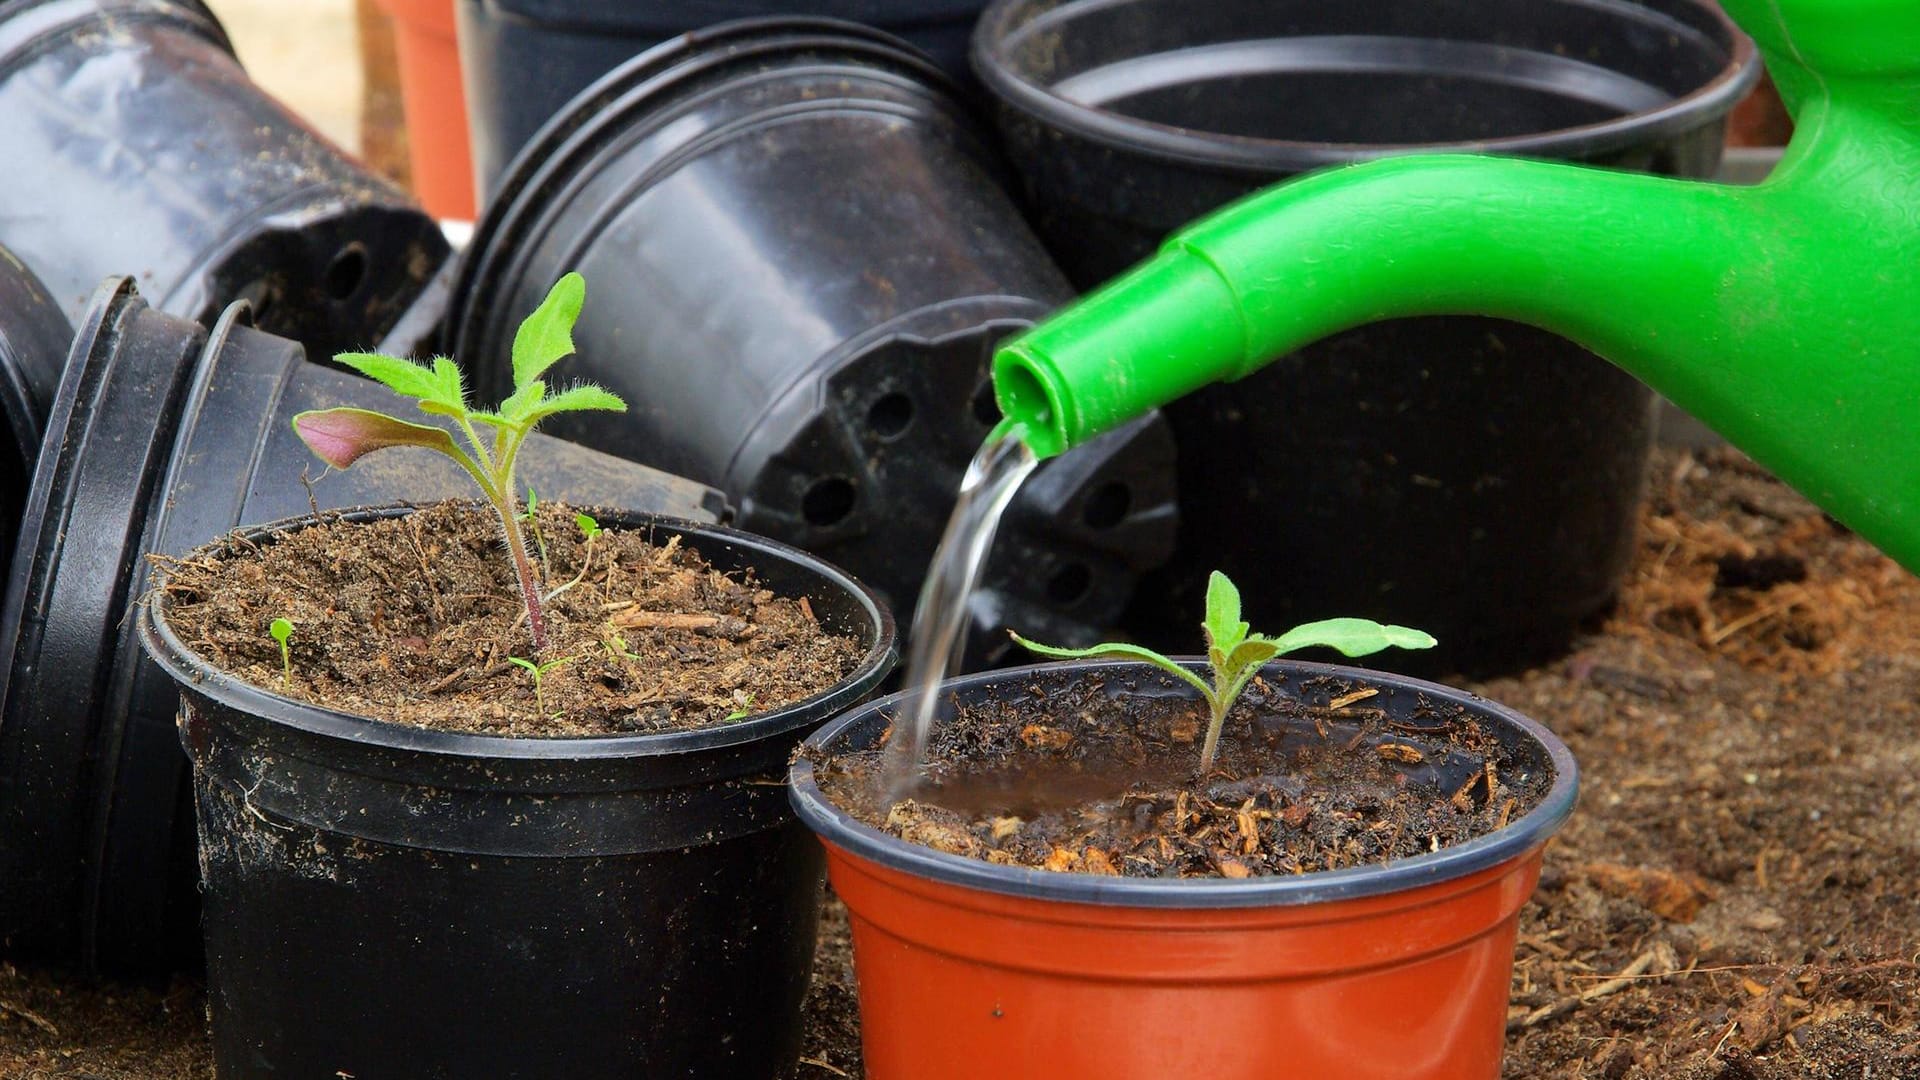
[(1394, 972), (435, 104)]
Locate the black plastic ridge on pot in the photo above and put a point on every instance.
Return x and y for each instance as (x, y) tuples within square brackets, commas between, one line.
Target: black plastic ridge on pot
[(611, 906), (1477, 478), (523, 59), (864, 726), (162, 438), (136, 144), (799, 256), (34, 336)]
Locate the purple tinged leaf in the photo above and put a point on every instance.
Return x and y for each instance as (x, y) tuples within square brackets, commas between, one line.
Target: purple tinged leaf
[(343, 436)]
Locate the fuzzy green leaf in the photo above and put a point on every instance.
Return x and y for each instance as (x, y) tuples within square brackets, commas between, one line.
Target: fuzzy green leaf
[(546, 336), (343, 436), (521, 402), (1354, 637), (1224, 629), (425, 384), (1251, 653), (577, 399), (1117, 650), (451, 396)]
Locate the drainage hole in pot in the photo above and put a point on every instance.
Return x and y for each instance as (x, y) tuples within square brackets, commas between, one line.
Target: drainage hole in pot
[(828, 501), (346, 272), (985, 410), (891, 415), (1070, 584), (1107, 505)]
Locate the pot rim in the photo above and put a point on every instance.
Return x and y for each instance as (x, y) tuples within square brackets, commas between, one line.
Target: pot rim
[(190, 669), (1531, 831), (1264, 156)]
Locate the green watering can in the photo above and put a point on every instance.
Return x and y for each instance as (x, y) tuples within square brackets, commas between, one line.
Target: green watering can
[(1786, 316)]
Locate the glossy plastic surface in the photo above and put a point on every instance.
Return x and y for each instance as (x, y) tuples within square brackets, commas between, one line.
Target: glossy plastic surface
[(528, 58), (34, 336), (484, 906), (1398, 972), (799, 256), (137, 145), (439, 156), (1777, 313), (163, 437)]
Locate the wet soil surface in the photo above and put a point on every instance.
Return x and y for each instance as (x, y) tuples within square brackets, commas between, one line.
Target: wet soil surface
[(416, 620), (1100, 777), (1736, 898)]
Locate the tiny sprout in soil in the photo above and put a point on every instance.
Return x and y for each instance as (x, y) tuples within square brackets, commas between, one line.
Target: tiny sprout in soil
[(342, 436), (1235, 656), (282, 631), (537, 672), (745, 710)]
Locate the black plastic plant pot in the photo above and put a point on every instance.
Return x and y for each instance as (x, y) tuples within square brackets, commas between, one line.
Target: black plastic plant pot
[(161, 438), (34, 336), (137, 145), (383, 900), (1399, 969), (803, 256), (523, 60), (1474, 477)]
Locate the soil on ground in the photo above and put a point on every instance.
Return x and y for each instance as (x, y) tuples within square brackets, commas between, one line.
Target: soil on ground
[(1737, 896), (1099, 776), (418, 619)]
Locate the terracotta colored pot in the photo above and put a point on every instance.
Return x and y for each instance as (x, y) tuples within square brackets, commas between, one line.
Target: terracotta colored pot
[(1393, 972), (435, 104)]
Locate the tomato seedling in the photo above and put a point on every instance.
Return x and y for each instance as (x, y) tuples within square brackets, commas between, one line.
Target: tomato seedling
[(1235, 656)]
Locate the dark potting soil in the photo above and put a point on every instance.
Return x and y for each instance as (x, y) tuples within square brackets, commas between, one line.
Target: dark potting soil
[(1308, 778), (1737, 896), (414, 620)]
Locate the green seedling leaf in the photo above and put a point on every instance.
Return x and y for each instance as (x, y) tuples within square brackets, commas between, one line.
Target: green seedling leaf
[(589, 528), (1236, 656), (282, 631), (741, 713), (546, 336), (343, 436), (1355, 637), (578, 399), (1116, 650)]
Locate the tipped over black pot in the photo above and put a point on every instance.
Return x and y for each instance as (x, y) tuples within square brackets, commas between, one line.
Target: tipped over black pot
[(34, 336), (383, 900), (805, 256), (163, 437), (1476, 478), (523, 60), (135, 144)]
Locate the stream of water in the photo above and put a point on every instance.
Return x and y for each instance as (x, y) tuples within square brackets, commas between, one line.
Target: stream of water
[(940, 618)]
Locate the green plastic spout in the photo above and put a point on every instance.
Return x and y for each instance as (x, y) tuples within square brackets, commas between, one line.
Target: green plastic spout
[(1786, 315)]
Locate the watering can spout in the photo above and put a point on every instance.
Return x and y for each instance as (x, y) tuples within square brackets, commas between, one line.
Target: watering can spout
[(1781, 314)]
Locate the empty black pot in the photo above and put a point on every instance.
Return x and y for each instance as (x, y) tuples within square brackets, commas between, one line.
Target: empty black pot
[(799, 256), (523, 60), (1477, 478), (136, 145), (34, 336), (163, 437), (391, 901)]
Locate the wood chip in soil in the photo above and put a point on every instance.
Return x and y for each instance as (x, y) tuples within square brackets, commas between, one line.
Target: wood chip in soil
[(416, 620)]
